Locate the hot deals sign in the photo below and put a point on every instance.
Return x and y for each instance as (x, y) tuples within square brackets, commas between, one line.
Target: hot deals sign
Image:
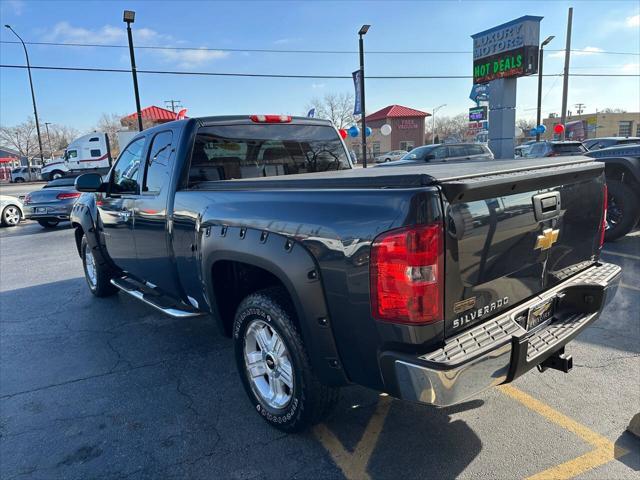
[(508, 50)]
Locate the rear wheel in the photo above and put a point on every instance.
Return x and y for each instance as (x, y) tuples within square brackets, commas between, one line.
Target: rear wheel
[(387, 159), (274, 365), (19, 180), (623, 210), (96, 271), (56, 174), (11, 216), (48, 223)]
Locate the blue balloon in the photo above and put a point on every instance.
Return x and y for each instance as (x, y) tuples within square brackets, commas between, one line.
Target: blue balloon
[(533, 132), (353, 131), (541, 129), (368, 131)]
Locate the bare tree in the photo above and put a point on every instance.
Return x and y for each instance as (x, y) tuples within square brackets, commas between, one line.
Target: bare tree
[(23, 139), (337, 107), (454, 127), (525, 124)]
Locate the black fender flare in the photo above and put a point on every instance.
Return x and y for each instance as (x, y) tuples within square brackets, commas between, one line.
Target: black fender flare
[(292, 264), (628, 164), (83, 216)]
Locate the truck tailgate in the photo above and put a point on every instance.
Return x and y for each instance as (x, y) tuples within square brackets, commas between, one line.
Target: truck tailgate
[(511, 235)]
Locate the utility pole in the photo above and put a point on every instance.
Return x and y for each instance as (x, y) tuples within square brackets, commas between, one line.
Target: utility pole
[(565, 83), (363, 30), (46, 125), (129, 17), (33, 99), (580, 108), (174, 104)]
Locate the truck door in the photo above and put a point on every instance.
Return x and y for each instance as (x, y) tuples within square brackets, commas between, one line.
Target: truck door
[(155, 261), (117, 206)]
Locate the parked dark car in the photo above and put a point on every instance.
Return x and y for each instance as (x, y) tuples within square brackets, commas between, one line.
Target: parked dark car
[(454, 152), (606, 142), (555, 148), (324, 275), (622, 170), (52, 204)]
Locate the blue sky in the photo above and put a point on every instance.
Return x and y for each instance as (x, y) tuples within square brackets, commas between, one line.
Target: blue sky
[(78, 98)]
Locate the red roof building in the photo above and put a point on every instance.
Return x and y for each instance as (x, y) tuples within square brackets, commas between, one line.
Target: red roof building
[(150, 116), (395, 111)]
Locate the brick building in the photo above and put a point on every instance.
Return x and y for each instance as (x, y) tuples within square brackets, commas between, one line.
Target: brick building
[(593, 125), (407, 130)]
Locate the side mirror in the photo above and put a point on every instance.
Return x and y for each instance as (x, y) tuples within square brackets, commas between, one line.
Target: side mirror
[(89, 182)]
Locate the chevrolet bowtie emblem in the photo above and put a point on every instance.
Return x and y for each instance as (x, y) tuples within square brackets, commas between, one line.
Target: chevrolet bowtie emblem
[(549, 237)]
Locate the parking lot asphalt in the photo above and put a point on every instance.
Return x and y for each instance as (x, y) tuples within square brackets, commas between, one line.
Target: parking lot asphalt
[(109, 388)]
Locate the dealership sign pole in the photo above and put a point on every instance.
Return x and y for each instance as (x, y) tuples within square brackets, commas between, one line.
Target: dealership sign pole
[(501, 55)]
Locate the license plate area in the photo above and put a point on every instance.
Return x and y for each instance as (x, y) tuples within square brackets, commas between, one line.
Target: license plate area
[(540, 313)]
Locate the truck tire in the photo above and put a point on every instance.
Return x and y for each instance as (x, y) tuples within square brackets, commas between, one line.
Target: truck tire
[(56, 174), (623, 210), (96, 271), (48, 223), (274, 365)]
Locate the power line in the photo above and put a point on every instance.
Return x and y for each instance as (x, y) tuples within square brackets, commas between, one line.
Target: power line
[(273, 50), (284, 75)]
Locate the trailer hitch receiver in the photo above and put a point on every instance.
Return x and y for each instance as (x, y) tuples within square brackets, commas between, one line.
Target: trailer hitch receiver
[(558, 361)]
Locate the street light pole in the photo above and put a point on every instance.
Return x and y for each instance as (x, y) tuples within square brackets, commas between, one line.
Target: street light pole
[(363, 30), (540, 62), (129, 17), (46, 125), (33, 99), (433, 134)]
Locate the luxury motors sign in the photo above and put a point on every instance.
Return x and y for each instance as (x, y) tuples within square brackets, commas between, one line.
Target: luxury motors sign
[(506, 51)]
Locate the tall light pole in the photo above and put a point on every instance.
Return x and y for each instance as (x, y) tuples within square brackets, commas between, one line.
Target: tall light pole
[(46, 125), (33, 99), (362, 32), (129, 17), (565, 79), (540, 60), (433, 134)]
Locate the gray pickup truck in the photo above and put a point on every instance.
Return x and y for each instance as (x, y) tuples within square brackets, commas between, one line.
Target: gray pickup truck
[(428, 282)]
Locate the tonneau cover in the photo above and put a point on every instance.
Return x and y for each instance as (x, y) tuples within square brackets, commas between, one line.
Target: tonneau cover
[(459, 181)]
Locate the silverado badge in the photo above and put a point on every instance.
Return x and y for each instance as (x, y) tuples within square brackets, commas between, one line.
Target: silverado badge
[(549, 237)]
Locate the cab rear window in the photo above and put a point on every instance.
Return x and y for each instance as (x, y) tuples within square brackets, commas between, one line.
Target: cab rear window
[(569, 148), (229, 152)]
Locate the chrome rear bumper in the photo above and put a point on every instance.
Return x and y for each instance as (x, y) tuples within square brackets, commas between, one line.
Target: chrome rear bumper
[(500, 350)]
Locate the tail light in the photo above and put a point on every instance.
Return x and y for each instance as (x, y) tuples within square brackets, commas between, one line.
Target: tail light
[(65, 196), (270, 118), (603, 225), (406, 275)]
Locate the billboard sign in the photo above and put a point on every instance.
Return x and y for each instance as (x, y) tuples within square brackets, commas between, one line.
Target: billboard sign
[(479, 92), (506, 51), (478, 114)]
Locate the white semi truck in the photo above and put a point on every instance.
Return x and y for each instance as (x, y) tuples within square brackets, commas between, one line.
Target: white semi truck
[(90, 152)]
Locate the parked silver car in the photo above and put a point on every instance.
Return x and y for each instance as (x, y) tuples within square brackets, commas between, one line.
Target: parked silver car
[(53, 203), (390, 156), (11, 211), (455, 152)]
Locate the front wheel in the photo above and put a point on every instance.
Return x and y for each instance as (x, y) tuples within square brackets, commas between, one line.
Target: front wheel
[(56, 175), (387, 159), (96, 271), (11, 216), (274, 365), (623, 210)]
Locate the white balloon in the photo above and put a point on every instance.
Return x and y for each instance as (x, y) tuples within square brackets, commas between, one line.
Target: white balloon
[(385, 129)]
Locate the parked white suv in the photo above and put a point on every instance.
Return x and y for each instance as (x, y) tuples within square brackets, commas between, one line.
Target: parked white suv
[(21, 174)]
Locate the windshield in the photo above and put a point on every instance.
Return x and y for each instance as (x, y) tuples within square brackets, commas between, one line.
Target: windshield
[(250, 151)]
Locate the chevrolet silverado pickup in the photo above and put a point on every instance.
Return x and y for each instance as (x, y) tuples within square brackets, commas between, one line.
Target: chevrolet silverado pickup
[(430, 282)]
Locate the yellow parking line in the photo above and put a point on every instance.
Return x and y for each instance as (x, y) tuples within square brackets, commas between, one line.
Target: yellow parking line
[(604, 452), (354, 465), (630, 287)]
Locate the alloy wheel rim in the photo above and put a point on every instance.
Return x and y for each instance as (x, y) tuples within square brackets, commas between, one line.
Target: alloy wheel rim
[(90, 263), (11, 215), (268, 365)]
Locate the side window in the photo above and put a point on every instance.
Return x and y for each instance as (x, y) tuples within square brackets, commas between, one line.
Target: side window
[(536, 149), (440, 153), (457, 151), (72, 154), (94, 139), (476, 150), (124, 176), (156, 174), (96, 152)]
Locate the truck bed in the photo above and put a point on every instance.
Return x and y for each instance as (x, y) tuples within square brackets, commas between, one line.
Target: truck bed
[(459, 181)]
